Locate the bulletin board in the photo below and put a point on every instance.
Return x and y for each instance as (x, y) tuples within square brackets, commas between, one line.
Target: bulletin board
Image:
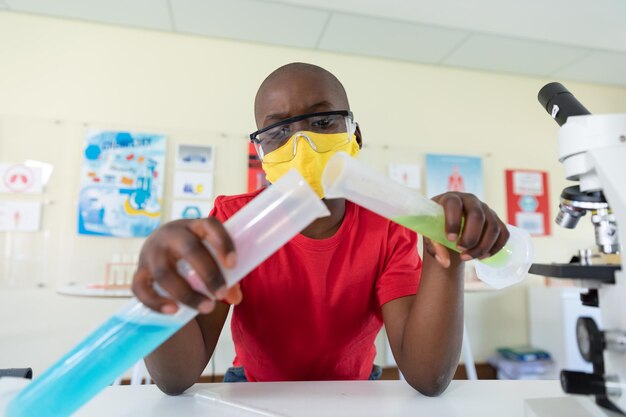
[(56, 254)]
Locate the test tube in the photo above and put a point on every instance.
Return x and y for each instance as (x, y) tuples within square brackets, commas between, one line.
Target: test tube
[(345, 177), (259, 229)]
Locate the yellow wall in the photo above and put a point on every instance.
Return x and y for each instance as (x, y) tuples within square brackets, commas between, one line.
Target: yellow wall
[(58, 77)]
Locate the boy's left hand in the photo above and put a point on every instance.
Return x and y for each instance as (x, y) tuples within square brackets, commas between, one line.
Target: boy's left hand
[(483, 234)]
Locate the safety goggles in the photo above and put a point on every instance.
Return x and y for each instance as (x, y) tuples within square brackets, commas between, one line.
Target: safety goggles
[(331, 130)]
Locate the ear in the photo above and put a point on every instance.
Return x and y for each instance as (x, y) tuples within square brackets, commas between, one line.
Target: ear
[(359, 136)]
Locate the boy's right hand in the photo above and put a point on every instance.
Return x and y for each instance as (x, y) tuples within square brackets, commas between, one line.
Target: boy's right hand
[(183, 239)]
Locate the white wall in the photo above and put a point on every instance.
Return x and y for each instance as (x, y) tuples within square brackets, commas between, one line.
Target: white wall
[(58, 77)]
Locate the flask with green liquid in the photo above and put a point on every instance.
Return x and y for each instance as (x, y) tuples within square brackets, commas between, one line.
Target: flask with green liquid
[(346, 177)]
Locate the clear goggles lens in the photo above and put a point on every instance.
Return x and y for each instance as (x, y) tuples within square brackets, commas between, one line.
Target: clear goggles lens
[(323, 134)]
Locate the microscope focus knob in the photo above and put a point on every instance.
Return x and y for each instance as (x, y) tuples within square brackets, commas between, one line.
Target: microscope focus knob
[(590, 340), (574, 382)]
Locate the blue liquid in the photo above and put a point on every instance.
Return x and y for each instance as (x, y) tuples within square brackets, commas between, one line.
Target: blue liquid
[(89, 368)]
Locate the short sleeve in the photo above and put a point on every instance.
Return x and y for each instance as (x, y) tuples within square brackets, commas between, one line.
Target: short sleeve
[(403, 267), (218, 210), (224, 207)]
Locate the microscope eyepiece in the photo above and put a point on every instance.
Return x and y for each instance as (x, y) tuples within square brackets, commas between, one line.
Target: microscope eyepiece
[(560, 103)]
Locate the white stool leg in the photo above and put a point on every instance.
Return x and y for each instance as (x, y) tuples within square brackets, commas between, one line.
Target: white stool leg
[(468, 358), (145, 375), (135, 374), (139, 374)]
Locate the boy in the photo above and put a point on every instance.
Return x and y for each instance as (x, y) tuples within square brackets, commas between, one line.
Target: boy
[(313, 309)]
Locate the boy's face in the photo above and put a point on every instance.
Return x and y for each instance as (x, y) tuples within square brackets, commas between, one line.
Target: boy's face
[(308, 144), (295, 93)]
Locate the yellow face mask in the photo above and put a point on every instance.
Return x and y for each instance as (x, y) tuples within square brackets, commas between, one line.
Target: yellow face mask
[(308, 162)]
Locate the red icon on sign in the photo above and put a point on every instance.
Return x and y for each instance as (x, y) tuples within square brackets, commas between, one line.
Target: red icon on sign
[(18, 178)]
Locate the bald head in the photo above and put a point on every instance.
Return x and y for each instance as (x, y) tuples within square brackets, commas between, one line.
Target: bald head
[(295, 89)]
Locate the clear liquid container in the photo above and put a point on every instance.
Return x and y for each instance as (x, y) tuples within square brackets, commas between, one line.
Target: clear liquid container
[(345, 177), (259, 229)]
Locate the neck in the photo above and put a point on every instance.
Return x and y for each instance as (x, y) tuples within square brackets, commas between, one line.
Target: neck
[(326, 227)]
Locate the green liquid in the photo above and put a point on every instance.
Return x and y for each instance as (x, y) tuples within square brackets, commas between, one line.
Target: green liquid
[(434, 228)]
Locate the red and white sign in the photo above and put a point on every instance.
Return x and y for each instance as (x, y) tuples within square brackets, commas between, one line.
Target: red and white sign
[(20, 216), (528, 204), (20, 179), (256, 175)]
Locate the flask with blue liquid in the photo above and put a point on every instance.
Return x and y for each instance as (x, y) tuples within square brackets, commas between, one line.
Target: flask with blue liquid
[(259, 229)]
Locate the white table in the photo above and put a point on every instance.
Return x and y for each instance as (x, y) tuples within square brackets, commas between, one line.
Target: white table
[(94, 291), (337, 398)]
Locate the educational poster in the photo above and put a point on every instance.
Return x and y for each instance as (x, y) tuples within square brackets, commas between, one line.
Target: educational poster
[(406, 174), (121, 184), (454, 173), (197, 185), (195, 157), (256, 176), (20, 216), (190, 209), (20, 179), (528, 205)]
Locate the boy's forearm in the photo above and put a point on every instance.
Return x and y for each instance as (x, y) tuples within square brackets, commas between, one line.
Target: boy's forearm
[(429, 341), (178, 363)]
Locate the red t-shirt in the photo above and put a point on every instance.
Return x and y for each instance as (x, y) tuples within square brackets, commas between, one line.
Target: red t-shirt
[(312, 310)]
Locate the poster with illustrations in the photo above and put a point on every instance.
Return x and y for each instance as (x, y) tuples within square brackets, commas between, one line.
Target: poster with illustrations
[(454, 173), (121, 184), (406, 174), (197, 185), (527, 200), (190, 209), (195, 157), (20, 216), (20, 179)]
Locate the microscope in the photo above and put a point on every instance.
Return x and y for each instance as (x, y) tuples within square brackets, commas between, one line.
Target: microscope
[(592, 149)]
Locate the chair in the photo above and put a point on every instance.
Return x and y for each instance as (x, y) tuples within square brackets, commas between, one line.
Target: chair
[(26, 373)]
